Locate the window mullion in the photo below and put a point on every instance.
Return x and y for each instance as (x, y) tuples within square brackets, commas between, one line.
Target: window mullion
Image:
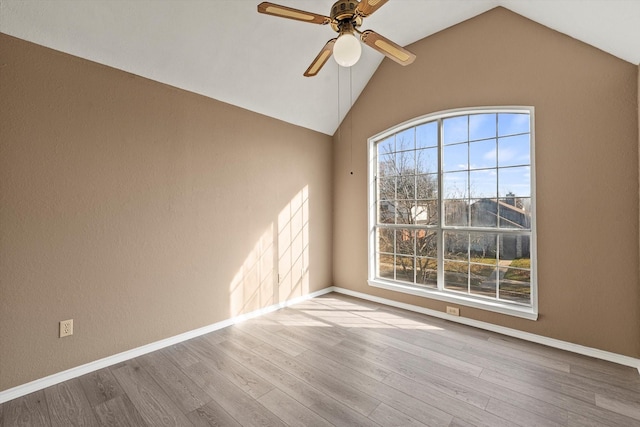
[(498, 249), (469, 263), (395, 255)]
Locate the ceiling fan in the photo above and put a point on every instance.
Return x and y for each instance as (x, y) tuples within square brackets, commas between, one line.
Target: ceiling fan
[(346, 17)]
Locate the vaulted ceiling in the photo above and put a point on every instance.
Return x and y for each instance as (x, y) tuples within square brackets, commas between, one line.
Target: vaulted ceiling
[(224, 49)]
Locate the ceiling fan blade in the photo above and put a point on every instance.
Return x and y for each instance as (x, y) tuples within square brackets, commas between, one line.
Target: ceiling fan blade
[(321, 59), (288, 12), (367, 7), (388, 48)]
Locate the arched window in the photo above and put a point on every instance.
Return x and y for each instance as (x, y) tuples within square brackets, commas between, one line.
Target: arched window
[(452, 209)]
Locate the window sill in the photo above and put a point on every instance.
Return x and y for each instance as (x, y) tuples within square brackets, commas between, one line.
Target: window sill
[(512, 310)]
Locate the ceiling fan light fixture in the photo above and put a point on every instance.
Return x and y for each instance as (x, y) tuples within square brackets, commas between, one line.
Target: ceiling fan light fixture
[(346, 17), (347, 50)]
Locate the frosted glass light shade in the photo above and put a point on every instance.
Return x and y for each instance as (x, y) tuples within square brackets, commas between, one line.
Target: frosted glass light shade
[(347, 50)]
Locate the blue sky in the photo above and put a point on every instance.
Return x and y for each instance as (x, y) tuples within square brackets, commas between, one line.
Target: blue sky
[(482, 154), (494, 148)]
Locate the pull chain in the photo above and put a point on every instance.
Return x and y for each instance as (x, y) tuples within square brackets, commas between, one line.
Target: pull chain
[(339, 118), (351, 120)]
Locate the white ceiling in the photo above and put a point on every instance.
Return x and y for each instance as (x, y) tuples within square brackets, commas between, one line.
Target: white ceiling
[(225, 50)]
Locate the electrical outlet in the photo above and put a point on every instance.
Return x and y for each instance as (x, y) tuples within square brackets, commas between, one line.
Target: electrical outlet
[(66, 328), (454, 311)]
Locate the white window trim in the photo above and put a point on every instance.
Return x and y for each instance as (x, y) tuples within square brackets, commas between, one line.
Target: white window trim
[(525, 312)]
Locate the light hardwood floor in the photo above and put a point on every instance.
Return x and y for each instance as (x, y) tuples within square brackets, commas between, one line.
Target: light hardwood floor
[(337, 360)]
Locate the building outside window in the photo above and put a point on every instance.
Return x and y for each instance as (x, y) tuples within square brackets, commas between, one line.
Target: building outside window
[(452, 212)]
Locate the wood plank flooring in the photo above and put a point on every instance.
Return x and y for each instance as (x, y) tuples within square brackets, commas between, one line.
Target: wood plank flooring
[(341, 361)]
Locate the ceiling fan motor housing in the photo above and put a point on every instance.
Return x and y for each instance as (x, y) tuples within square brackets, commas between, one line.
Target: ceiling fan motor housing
[(344, 11)]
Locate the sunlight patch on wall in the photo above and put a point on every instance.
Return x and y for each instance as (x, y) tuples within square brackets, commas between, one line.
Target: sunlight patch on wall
[(252, 287), (277, 267), (293, 247)]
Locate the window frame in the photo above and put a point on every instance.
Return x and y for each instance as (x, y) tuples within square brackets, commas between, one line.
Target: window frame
[(440, 293)]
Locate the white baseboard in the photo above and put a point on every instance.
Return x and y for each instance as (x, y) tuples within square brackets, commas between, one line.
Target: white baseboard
[(539, 339), (39, 384)]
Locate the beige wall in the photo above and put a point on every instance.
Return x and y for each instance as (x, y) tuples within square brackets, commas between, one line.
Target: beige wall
[(142, 211), (586, 105)]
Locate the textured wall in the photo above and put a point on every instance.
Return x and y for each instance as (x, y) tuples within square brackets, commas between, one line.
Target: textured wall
[(586, 105), (142, 211)]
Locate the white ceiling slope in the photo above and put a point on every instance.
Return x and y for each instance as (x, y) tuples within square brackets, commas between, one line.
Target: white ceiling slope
[(225, 50)]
